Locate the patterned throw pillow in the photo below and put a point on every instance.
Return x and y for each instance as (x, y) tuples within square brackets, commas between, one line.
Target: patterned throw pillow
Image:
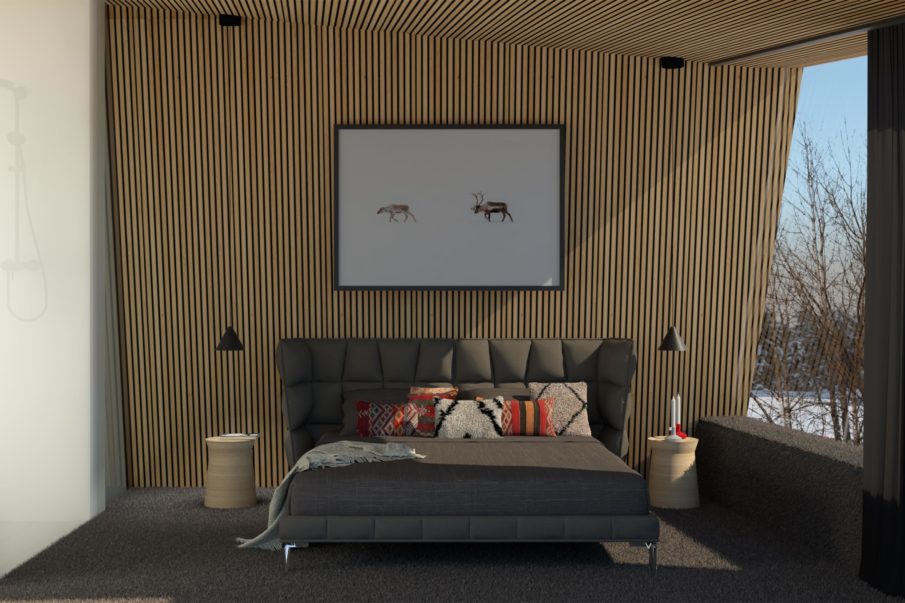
[(425, 424), (469, 418), (385, 419), (419, 392), (374, 396), (424, 397), (528, 418), (570, 409)]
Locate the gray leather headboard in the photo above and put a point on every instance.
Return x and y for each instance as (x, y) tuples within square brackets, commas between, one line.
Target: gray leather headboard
[(316, 372)]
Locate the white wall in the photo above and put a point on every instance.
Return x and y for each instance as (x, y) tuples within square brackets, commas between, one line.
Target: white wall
[(52, 281)]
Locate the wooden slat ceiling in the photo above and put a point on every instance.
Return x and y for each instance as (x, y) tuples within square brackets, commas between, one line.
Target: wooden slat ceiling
[(699, 30)]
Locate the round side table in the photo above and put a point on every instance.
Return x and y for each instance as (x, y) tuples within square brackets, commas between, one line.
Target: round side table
[(672, 475), (229, 482)]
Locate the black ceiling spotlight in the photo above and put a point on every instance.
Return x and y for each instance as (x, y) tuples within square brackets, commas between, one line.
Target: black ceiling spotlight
[(230, 20), (672, 62)]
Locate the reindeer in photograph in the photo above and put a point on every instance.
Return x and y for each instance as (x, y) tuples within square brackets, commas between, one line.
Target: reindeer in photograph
[(396, 209), (490, 207)]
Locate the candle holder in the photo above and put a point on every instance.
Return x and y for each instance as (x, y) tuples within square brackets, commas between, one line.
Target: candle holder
[(674, 418), (675, 429)]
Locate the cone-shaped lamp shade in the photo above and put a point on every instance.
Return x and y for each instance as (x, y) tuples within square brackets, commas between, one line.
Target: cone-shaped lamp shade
[(230, 341), (672, 341)]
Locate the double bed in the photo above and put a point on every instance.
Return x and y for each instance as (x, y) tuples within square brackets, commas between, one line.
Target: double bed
[(512, 489)]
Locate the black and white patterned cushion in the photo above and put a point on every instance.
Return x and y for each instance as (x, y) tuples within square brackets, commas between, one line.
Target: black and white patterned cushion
[(570, 411), (457, 419)]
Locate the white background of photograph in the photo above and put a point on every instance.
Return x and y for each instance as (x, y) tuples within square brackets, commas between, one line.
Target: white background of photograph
[(435, 171)]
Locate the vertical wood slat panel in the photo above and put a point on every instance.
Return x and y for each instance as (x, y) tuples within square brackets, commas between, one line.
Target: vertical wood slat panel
[(673, 182)]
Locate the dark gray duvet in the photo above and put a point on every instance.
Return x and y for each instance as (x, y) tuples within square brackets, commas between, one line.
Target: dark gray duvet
[(567, 475)]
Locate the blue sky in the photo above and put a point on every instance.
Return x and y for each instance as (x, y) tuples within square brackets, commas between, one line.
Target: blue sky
[(833, 96)]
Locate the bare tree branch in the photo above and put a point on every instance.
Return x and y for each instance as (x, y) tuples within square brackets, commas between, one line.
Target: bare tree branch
[(811, 349)]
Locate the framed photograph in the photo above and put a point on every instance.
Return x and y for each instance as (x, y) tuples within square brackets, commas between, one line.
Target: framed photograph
[(448, 207)]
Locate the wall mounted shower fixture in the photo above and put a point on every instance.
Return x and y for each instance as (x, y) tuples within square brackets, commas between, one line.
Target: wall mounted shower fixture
[(18, 266)]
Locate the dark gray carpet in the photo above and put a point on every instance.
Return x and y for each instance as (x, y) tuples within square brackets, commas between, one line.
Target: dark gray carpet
[(164, 544)]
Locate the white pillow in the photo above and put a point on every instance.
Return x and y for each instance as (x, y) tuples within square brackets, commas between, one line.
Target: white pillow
[(570, 407), (458, 419)]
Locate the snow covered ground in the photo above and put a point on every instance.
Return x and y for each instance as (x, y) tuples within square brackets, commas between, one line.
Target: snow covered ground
[(803, 411)]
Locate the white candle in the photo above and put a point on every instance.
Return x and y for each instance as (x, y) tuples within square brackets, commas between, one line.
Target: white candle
[(678, 409), (672, 423)]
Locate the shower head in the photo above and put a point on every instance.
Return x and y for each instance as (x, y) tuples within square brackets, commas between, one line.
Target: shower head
[(19, 92)]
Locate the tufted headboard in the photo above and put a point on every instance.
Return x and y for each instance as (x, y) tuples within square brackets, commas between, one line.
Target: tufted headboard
[(316, 372)]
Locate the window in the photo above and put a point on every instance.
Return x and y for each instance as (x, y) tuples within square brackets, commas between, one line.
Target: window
[(810, 354)]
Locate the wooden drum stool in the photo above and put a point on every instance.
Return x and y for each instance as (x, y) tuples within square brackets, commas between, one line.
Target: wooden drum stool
[(672, 475), (229, 482)]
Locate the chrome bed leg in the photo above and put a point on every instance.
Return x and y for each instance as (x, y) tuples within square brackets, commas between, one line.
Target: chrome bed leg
[(652, 557), (286, 549), (290, 546)]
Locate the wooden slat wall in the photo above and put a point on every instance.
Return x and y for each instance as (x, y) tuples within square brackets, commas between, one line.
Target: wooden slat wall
[(673, 185), (115, 457), (699, 31), (115, 466)]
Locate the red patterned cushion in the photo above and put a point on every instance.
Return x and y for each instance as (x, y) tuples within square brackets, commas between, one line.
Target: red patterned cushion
[(418, 392), (423, 397), (425, 419), (528, 418), (384, 419)]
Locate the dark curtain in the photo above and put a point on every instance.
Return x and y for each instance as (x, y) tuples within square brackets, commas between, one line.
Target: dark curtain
[(883, 543)]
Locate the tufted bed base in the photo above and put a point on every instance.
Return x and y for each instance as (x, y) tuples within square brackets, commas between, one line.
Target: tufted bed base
[(298, 532)]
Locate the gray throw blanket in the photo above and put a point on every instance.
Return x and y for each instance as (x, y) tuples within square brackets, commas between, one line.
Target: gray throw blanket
[(335, 454)]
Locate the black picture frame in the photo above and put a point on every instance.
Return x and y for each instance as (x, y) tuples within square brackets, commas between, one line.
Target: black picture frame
[(338, 128)]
